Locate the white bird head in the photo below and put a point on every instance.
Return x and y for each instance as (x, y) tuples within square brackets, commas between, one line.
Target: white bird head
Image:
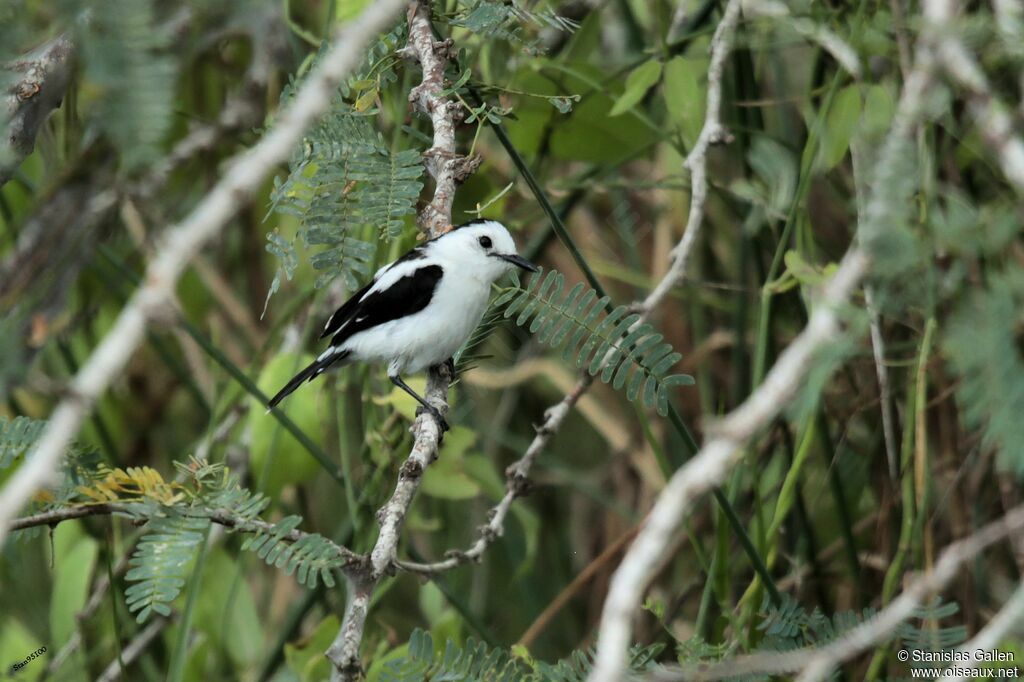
[(483, 249)]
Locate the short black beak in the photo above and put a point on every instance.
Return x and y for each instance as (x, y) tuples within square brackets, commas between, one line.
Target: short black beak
[(518, 261)]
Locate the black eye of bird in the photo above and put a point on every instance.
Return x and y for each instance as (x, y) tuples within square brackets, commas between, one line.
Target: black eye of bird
[(485, 242)]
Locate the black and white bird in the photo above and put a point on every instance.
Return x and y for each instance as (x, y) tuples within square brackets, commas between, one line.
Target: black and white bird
[(420, 309)]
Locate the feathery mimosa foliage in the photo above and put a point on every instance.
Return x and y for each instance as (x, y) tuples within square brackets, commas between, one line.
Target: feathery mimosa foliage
[(581, 114), (474, 661), (311, 558), (17, 436), (127, 56), (162, 562), (613, 343), (344, 178)]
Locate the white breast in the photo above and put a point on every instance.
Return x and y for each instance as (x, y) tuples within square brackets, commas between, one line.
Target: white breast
[(431, 336)]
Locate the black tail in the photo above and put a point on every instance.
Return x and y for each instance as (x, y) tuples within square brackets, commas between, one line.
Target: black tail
[(312, 371)]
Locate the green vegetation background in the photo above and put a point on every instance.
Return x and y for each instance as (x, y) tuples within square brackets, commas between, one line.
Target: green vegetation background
[(601, 101)]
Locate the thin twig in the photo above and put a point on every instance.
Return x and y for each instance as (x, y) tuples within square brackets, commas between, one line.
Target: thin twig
[(840, 50), (875, 326), (222, 518), (517, 483), (993, 117), (134, 650), (182, 243), (517, 474), (713, 132), (1002, 624), (448, 169), (818, 663), (709, 467)]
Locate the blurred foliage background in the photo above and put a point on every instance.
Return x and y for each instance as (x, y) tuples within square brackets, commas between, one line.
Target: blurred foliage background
[(597, 103)]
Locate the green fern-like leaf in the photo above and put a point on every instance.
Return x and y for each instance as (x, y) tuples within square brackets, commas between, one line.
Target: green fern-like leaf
[(611, 344), (288, 261), (344, 178), (469, 354), (17, 437), (78, 467), (311, 559), (790, 625), (476, 662), (576, 667), (981, 343), (127, 56), (930, 636), (161, 562), (218, 490), (473, 662), (505, 20)]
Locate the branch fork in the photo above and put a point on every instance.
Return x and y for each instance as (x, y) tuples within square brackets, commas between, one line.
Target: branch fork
[(448, 168)]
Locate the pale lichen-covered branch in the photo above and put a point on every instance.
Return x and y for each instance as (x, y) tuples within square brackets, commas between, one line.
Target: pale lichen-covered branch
[(180, 244)]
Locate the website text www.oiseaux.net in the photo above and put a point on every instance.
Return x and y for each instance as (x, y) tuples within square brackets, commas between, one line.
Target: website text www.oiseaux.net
[(964, 664)]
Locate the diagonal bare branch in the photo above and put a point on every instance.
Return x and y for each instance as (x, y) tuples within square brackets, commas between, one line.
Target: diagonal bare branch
[(221, 518), (245, 174), (993, 116), (710, 466), (517, 474), (818, 663), (43, 80), (448, 168)]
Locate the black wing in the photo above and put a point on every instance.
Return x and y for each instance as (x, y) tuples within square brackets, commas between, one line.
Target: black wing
[(344, 313), (406, 296), (347, 310)]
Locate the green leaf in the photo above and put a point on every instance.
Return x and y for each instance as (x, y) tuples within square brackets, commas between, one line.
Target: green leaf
[(640, 80), (840, 125), (306, 657), (277, 459), (17, 437), (563, 104), (776, 176), (349, 10), (288, 260), (685, 96), (227, 611), (471, 661), (344, 177), (365, 100), (127, 59), (162, 561), (879, 108), (804, 272), (16, 643), (310, 559), (602, 341), (73, 568), (448, 477), (574, 138)]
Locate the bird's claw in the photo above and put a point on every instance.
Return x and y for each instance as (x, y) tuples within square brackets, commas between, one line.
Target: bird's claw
[(436, 414)]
